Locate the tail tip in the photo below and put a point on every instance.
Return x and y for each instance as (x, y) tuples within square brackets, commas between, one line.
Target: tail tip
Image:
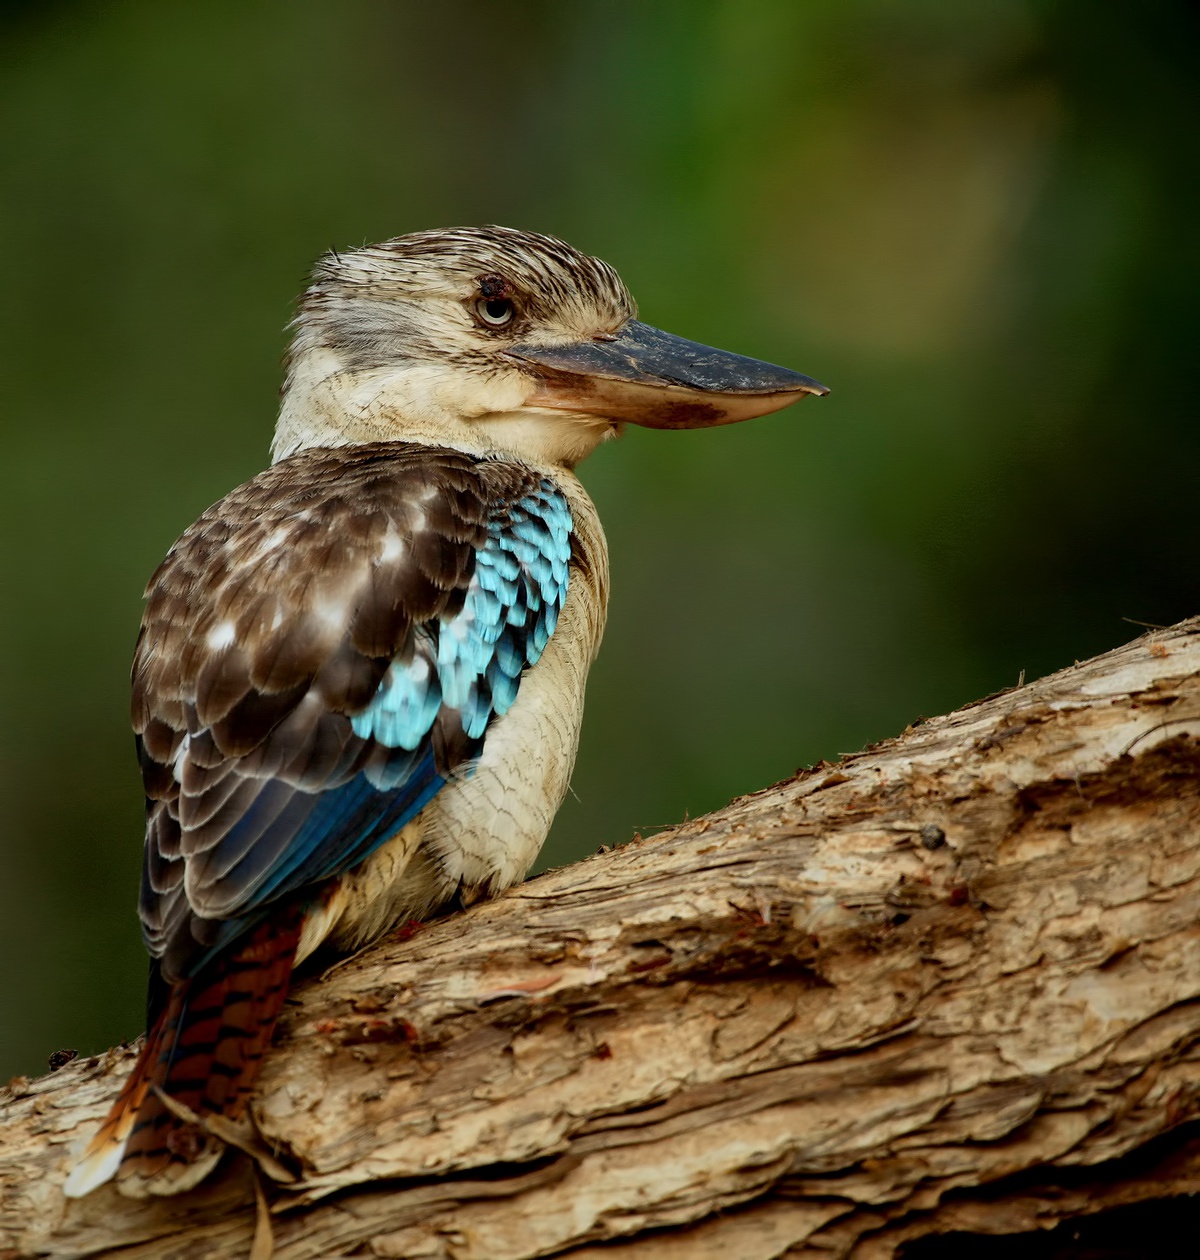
[(93, 1169)]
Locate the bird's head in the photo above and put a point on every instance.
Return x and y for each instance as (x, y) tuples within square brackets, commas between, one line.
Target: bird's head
[(491, 339)]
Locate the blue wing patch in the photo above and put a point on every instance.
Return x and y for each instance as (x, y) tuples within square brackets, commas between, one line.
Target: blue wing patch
[(360, 815), (510, 612)]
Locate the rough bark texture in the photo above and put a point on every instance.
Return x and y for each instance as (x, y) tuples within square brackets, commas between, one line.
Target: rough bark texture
[(951, 983)]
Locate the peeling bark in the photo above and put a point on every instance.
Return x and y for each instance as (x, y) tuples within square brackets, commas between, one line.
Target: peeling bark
[(951, 983)]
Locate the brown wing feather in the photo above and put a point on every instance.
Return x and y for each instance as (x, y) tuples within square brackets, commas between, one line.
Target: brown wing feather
[(272, 621)]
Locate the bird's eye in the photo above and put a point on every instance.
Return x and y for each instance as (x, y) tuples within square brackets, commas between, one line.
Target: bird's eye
[(495, 312)]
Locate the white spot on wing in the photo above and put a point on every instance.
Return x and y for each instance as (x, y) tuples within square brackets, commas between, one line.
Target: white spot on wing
[(222, 635), (330, 612), (393, 546), (273, 541)]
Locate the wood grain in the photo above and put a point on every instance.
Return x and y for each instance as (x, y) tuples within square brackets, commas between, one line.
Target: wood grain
[(949, 983)]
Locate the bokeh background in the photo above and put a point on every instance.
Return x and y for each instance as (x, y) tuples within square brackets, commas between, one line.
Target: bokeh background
[(976, 222)]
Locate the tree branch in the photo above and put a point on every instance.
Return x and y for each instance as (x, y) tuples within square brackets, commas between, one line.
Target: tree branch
[(950, 983)]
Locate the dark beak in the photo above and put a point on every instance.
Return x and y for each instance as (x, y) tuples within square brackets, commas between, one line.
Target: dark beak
[(649, 377)]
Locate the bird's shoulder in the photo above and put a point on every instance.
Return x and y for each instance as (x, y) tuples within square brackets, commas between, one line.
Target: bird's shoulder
[(329, 546)]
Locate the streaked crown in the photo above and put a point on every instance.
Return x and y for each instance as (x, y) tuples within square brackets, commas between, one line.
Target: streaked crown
[(426, 294)]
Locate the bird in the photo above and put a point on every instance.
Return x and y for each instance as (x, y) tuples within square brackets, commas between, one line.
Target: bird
[(359, 680)]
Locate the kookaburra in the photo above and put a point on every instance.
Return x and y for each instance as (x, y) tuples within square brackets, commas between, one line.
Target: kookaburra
[(359, 681)]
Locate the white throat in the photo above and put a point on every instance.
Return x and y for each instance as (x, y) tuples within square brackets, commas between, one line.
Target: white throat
[(326, 404)]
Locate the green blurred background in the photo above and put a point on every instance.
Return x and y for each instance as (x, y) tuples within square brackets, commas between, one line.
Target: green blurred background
[(976, 221)]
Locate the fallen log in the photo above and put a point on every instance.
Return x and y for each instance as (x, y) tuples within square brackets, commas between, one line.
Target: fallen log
[(950, 983)]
